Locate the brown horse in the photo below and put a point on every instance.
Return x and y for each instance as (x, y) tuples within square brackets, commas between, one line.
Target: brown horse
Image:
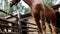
[(37, 11)]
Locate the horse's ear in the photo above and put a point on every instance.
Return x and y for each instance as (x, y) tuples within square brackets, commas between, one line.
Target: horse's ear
[(11, 5), (15, 4)]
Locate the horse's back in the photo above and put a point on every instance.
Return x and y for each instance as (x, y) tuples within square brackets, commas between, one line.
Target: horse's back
[(50, 13)]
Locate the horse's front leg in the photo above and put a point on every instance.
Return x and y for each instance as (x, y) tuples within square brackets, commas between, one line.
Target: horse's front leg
[(42, 22), (37, 18)]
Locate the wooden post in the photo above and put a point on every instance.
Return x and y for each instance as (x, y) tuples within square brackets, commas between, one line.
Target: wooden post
[(19, 23)]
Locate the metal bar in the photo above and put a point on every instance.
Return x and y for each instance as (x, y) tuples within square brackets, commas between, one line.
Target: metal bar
[(8, 13), (30, 30), (30, 23), (15, 16), (8, 26), (27, 21), (6, 21), (8, 32), (1, 32), (29, 27)]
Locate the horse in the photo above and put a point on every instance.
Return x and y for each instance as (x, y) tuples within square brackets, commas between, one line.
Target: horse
[(37, 8)]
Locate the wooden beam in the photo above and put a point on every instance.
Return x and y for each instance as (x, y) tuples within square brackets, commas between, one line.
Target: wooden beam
[(6, 21)]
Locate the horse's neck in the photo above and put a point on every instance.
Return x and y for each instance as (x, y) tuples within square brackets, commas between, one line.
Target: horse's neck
[(33, 2), (29, 2)]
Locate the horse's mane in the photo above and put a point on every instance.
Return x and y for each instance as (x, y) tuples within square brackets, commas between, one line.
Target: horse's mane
[(14, 2)]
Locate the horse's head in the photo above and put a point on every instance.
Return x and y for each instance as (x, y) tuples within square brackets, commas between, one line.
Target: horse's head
[(14, 2)]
